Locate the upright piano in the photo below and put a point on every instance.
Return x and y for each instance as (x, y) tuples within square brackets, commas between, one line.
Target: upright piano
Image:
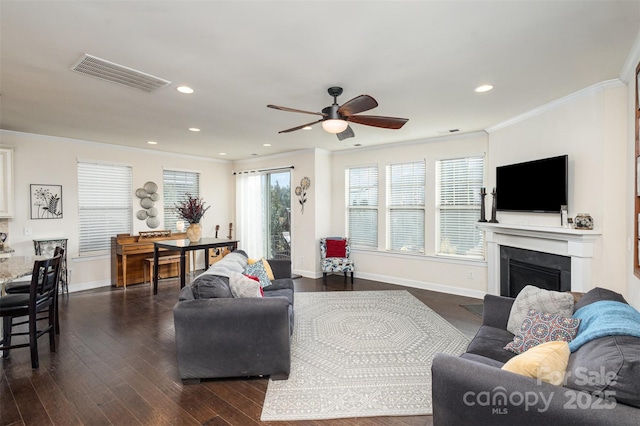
[(128, 254)]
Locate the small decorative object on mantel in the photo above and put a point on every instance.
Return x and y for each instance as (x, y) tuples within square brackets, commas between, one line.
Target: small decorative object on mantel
[(148, 195), (483, 194), (583, 221), (301, 191), (493, 207), (230, 236), (191, 210), (46, 201)]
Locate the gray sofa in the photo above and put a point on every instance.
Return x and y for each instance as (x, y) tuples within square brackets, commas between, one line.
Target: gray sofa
[(473, 390), (218, 335)]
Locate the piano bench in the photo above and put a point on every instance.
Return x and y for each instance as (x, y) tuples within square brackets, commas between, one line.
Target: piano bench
[(162, 260)]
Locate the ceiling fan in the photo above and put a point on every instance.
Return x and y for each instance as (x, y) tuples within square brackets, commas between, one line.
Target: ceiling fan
[(336, 118)]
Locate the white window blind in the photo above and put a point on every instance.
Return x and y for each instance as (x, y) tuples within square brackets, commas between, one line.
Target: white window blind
[(176, 184), (406, 195), (105, 204), (459, 183), (362, 206)]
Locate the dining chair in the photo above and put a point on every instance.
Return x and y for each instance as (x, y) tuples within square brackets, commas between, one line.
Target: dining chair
[(41, 297), (24, 285)]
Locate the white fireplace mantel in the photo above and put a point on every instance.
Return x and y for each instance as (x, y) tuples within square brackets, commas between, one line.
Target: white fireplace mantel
[(575, 243)]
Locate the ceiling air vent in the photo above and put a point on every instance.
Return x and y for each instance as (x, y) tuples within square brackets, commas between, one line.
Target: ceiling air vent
[(105, 70)]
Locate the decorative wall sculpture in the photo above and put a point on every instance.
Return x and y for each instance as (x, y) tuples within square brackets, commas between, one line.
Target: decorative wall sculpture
[(46, 201), (148, 196)]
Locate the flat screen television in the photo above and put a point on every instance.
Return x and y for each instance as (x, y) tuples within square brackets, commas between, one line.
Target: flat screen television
[(539, 186)]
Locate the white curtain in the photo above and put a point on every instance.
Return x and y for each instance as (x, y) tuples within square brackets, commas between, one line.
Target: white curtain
[(250, 215)]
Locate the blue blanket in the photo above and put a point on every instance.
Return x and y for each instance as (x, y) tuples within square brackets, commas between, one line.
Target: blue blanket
[(605, 318)]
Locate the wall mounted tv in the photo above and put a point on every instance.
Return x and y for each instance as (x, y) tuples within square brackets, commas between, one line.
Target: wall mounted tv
[(539, 186)]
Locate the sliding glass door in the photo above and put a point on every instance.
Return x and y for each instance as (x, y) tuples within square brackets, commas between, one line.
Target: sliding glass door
[(278, 231), (263, 208)]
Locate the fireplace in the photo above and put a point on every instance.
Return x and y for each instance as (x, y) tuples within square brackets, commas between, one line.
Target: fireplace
[(576, 244), (520, 267)]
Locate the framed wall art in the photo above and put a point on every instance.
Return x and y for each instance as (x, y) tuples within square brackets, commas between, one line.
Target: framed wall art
[(46, 201)]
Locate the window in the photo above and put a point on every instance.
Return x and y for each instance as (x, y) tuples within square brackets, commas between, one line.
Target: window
[(362, 206), (458, 205), (406, 195), (104, 205), (176, 185)]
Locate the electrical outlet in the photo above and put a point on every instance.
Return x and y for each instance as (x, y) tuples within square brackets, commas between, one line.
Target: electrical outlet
[(470, 276), (27, 230), (301, 260)]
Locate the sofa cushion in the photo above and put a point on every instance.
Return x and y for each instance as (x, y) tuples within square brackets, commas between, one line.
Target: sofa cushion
[(489, 342), (540, 327), (211, 286), (281, 293), (266, 265), (551, 302), (607, 367), (279, 284), (243, 286), (596, 295), (482, 360), (546, 362), (257, 270)]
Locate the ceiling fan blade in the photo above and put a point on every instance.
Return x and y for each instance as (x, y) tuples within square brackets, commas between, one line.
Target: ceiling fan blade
[(293, 129), (378, 121), (358, 104), (346, 133), (281, 108)]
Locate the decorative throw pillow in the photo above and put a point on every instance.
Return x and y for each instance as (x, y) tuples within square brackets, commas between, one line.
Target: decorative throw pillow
[(208, 286), (546, 362), (540, 328), (242, 286), (266, 265), (256, 279), (257, 270), (336, 248), (552, 302)]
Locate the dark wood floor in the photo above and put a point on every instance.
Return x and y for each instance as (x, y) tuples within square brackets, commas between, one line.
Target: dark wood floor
[(116, 364)]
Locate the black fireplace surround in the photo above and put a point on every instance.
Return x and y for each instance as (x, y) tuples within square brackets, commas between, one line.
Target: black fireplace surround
[(521, 267)]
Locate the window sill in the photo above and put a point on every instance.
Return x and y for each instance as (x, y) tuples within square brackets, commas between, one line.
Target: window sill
[(459, 260)]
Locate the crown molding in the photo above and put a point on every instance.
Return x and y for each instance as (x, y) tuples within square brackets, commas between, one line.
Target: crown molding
[(587, 91)]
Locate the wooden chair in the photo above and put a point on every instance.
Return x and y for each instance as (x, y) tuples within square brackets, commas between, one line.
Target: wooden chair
[(42, 296), (23, 286)]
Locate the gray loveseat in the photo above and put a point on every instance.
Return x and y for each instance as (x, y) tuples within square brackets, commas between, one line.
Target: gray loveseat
[(473, 390), (218, 335)]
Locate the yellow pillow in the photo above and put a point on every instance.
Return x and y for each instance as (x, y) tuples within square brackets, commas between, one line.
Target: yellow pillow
[(547, 362), (267, 267)]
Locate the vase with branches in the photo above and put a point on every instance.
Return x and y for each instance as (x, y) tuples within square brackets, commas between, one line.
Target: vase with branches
[(191, 209)]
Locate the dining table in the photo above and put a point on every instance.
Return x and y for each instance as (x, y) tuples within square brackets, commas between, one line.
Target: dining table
[(14, 267)]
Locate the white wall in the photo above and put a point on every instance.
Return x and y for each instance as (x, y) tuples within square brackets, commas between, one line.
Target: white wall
[(422, 271), (51, 160), (589, 126), (306, 226)]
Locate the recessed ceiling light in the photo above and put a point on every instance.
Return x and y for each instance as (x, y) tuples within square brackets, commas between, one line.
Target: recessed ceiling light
[(307, 128), (266, 144), (194, 129), (222, 153), (483, 88), (152, 142), (184, 89)]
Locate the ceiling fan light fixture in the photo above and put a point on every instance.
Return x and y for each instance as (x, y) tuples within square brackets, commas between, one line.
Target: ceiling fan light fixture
[(334, 125)]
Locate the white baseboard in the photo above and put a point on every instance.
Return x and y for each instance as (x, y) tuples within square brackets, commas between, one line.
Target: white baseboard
[(476, 294), (89, 286)]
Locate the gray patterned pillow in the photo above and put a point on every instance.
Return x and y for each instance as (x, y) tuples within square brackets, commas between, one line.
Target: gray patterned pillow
[(546, 301), (257, 270)]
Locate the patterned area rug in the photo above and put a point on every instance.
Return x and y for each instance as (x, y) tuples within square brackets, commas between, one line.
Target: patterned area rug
[(360, 354)]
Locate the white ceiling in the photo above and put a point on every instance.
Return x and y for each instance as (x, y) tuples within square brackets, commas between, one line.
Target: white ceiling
[(420, 60)]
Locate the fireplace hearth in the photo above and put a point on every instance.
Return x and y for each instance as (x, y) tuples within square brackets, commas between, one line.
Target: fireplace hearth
[(521, 267)]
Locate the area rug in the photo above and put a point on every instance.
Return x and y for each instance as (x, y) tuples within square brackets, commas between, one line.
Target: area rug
[(360, 354)]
